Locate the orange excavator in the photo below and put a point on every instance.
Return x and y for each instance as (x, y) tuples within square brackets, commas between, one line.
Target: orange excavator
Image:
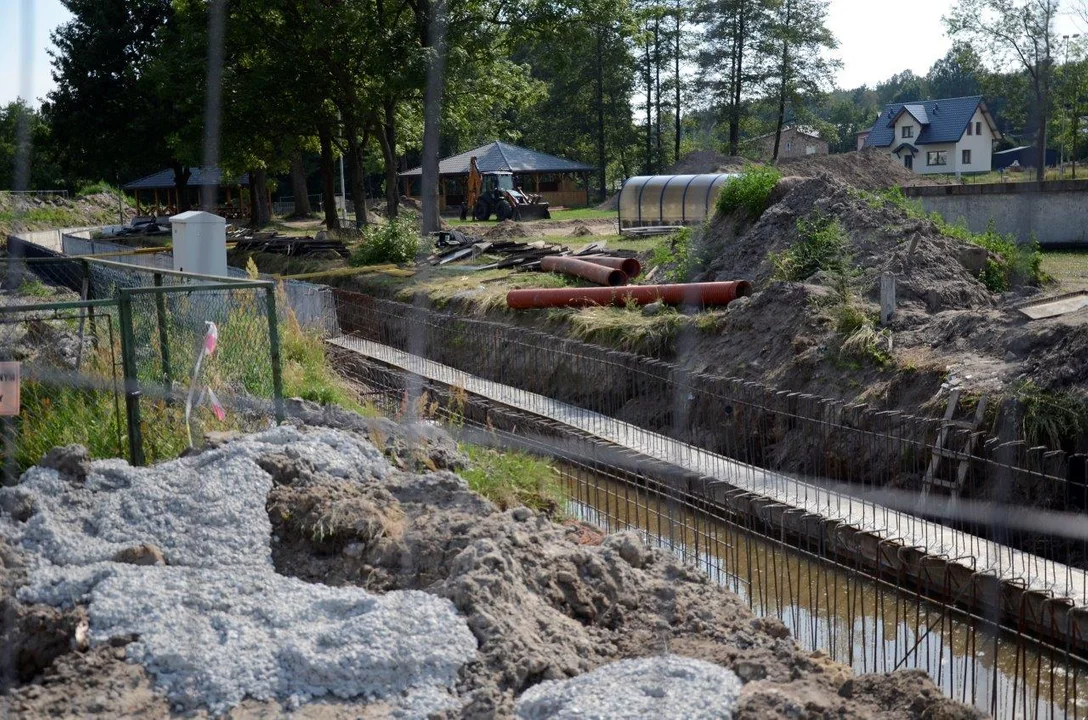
[(494, 193)]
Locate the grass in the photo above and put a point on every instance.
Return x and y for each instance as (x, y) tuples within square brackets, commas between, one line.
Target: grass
[(102, 186), (677, 255), (1068, 267), (750, 194), (484, 289), (1054, 419), (626, 328), (821, 245), (586, 213), (513, 478), (33, 287), (51, 216)]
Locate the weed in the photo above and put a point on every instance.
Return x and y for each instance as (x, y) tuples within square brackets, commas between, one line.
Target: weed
[(397, 241), (1051, 418), (679, 257), (102, 187), (821, 245), (749, 194), (627, 329), (510, 479), (33, 287)]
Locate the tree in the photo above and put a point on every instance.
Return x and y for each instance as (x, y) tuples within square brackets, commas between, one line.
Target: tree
[(798, 35), (43, 172), (1020, 33), (106, 115), (732, 31), (958, 74)]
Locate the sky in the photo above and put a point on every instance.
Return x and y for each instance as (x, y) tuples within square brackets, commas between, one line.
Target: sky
[(870, 50)]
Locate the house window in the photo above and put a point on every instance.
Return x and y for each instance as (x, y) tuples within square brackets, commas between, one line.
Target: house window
[(908, 131), (978, 128), (966, 157), (810, 150), (937, 157), (970, 129)]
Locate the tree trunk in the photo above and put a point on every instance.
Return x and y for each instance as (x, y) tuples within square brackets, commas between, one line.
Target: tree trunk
[(260, 212), (182, 174), (432, 119), (601, 159), (657, 87), (649, 111), (356, 152), (387, 139), (738, 81), (1040, 136), (328, 183), (298, 187), (783, 83), (676, 50)]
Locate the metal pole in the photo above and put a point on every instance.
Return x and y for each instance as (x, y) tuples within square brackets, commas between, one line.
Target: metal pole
[(132, 383), (164, 337), (274, 352)]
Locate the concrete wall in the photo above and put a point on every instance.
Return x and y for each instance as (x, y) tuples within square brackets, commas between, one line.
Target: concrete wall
[(1055, 212)]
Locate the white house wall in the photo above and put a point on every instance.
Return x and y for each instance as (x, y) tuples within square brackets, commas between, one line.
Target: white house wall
[(981, 147)]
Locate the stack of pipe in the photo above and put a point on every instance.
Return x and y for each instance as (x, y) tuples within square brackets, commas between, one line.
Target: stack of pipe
[(610, 271)]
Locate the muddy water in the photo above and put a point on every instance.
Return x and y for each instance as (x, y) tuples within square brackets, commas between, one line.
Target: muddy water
[(870, 625)]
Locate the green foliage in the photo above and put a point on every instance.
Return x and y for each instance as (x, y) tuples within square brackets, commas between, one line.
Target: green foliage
[(103, 187), (511, 479), (678, 257), (1050, 418), (33, 287), (748, 195), (397, 242), (42, 217), (821, 245)]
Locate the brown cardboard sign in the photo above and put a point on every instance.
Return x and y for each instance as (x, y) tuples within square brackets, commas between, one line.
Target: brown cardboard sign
[(9, 388)]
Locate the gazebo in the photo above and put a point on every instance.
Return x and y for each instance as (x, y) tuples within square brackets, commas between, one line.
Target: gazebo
[(554, 178), (160, 189)]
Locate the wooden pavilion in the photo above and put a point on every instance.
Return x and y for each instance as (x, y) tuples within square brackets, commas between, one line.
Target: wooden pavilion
[(156, 194), (560, 181)]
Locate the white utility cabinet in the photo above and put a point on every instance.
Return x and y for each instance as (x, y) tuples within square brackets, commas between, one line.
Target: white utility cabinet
[(200, 243)]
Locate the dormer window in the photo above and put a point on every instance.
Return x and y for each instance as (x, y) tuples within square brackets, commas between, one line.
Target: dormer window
[(908, 131)]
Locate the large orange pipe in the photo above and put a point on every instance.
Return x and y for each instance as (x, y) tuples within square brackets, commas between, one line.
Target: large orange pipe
[(698, 294), (599, 274), (630, 266)]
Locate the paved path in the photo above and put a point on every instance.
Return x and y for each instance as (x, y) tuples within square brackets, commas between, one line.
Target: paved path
[(1024, 569)]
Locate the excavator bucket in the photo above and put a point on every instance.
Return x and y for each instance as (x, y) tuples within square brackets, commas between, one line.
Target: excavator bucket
[(533, 211)]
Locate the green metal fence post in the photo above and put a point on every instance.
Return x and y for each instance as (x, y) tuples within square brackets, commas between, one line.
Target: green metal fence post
[(132, 383), (274, 346), (164, 338)]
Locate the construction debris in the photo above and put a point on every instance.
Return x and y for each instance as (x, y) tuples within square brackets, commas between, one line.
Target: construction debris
[(291, 246)]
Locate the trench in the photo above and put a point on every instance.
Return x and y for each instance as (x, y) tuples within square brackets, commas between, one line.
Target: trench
[(868, 623)]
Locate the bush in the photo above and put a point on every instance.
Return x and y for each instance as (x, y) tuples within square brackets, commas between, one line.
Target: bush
[(749, 194), (678, 256), (821, 245), (395, 242)]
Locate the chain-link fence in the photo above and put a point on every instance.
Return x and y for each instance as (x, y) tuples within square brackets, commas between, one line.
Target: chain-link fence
[(134, 361)]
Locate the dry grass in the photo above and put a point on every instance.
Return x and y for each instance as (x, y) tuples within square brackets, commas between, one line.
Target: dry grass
[(626, 328), (484, 290), (1068, 267)]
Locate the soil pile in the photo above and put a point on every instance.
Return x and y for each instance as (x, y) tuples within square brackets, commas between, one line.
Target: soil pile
[(357, 540), (879, 239), (868, 169), (508, 229), (706, 161)]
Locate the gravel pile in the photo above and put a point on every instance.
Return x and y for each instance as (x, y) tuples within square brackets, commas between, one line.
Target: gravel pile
[(216, 624), (665, 688)]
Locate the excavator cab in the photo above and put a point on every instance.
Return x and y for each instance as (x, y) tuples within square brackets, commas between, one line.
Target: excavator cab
[(494, 193)]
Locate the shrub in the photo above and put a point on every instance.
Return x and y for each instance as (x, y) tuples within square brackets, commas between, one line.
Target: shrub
[(749, 194), (395, 242), (678, 256), (1051, 418), (514, 478), (821, 245)]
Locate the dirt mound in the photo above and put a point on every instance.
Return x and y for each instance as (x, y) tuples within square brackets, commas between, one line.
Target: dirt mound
[(705, 161), (45, 212), (612, 203), (580, 229), (879, 239), (508, 229), (868, 170)]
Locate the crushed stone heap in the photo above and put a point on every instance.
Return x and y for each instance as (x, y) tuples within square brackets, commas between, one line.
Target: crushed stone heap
[(217, 623)]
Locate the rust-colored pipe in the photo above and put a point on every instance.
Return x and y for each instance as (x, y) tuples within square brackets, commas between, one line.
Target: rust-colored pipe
[(699, 294), (630, 266), (593, 272)]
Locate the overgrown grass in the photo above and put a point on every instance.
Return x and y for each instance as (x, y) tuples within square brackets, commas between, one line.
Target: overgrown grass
[(485, 289), (396, 241), (103, 187), (512, 478), (1054, 419), (1070, 268), (50, 216), (821, 245), (1016, 263), (748, 195), (33, 287), (677, 256), (626, 328)]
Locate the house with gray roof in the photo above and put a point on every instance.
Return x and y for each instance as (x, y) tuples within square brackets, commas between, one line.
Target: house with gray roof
[(560, 181), (950, 135)]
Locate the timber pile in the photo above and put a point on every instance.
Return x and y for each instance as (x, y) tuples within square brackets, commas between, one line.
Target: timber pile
[(453, 246), (291, 246)]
